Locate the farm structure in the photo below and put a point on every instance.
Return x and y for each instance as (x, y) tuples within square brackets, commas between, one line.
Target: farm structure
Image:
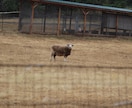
[(64, 17)]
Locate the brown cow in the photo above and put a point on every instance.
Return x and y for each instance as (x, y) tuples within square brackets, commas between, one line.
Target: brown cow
[(61, 51)]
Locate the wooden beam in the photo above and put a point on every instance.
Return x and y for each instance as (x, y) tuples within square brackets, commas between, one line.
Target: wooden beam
[(116, 25), (33, 5), (70, 21), (20, 17), (85, 13), (59, 18), (102, 23), (44, 22)]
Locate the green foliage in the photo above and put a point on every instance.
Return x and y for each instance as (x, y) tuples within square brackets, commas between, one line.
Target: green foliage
[(117, 3), (10, 5), (114, 3)]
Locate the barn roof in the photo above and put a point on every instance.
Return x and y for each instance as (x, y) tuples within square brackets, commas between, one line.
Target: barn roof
[(87, 6)]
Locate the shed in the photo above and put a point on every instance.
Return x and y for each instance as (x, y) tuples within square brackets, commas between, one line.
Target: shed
[(65, 17)]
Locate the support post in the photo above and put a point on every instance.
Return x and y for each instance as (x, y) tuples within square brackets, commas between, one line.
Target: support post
[(102, 22), (20, 17), (90, 23), (116, 24), (2, 15), (32, 16), (70, 21), (59, 17), (45, 16), (85, 13)]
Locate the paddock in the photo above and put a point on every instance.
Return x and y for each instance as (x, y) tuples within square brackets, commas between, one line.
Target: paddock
[(99, 76)]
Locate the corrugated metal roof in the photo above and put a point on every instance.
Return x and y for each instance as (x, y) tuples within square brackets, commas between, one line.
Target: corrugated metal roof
[(89, 6)]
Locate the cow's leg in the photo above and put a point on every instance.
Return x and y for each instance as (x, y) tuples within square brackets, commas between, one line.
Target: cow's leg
[(65, 58), (53, 55)]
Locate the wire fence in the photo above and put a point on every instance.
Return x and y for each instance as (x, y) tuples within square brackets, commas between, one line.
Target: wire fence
[(64, 86), (45, 21), (9, 21), (60, 86)]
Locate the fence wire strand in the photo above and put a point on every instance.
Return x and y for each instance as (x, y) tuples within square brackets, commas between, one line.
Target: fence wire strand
[(65, 87)]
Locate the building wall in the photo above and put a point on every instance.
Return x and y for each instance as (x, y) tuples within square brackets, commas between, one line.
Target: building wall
[(72, 20), (122, 23)]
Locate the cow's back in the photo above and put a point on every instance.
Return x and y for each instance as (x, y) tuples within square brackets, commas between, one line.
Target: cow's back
[(61, 51)]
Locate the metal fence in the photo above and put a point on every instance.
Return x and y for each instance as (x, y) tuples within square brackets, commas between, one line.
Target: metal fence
[(44, 19), (9, 21), (61, 86), (64, 86)]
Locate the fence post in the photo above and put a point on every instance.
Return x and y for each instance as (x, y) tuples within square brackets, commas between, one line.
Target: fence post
[(20, 17), (2, 22), (70, 23), (59, 17), (116, 24), (85, 13), (32, 16)]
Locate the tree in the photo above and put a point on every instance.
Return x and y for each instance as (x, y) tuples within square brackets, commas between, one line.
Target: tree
[(113, 3), (9, 5)]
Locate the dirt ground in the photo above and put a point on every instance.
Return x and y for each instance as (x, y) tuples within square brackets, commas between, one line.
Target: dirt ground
[(97, 74)]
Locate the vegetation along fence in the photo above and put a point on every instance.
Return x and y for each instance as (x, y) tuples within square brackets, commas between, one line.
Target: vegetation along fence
[(64, 86)]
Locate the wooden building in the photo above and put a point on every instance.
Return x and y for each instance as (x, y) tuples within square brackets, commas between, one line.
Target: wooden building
[(64, 17)]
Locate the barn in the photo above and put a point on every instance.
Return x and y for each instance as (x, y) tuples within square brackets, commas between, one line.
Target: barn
[(65, 17)]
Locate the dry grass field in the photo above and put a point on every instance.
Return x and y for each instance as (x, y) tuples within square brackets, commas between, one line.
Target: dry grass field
[(97, 74)]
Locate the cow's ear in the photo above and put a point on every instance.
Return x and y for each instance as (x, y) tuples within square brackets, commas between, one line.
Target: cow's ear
[(68, 45)]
